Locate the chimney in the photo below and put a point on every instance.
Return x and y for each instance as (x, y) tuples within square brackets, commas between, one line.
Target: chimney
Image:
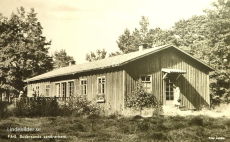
[(142, 46), (71, 62)]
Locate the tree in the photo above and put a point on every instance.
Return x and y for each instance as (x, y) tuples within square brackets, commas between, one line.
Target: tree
[(61, 59), (129, 42), (219, 36), (192, 36), (99, 54), (23, 50), (115, 54)]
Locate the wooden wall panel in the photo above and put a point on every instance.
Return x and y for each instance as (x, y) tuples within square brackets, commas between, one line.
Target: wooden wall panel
[(193, 84)]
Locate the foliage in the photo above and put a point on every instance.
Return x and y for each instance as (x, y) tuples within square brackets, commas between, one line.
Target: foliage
[(3, 109), (38, 107), (129, 42), (99, 54), (219, 27), (115, 54), (79, 106), (23, 49), (140, 99), (30, 107), (61, 59), (207, 38)]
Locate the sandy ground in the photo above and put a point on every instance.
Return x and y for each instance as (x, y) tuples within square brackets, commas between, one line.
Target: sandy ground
[(221, 111)]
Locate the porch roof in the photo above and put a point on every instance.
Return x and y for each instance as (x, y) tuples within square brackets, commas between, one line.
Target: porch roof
[(173, 71)]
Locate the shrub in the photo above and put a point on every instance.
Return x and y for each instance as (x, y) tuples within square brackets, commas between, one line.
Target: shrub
[(41, 106), (79, 106), (3, 109), (28, 107), (140, 99)]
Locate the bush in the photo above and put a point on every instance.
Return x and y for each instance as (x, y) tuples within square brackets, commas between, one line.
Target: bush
[(77, 106), (30, 107), (3, 109), (140, 99)]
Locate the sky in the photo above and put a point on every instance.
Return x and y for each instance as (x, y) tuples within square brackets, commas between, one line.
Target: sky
[(81, 26)]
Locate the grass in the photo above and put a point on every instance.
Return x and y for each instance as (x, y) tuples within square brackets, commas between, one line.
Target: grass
[(112, 128)]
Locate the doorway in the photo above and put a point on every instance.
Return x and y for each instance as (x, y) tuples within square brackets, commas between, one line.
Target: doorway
[(169, 92)]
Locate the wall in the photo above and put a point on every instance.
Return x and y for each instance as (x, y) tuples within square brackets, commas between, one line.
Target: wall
[(114, 94), (194, 84)]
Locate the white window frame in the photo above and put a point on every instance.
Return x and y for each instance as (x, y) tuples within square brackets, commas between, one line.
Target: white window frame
[(47, 95), (169, 90), (101, 89), (145, 82), (60, 89), (37, 90), (71, 91), (85, 86)]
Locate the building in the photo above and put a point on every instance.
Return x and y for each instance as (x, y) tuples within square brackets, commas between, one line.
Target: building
[(109, 81)]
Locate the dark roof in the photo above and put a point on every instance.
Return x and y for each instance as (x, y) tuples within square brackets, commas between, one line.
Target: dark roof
[(105, 63)]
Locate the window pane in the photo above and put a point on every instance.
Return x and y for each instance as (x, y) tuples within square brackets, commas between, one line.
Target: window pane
[(85, 88), (63, 89), (103, 88), (82, 89), (99, 88), (148, 84), (71, 88), (142, 78), (85, 92), (147, 78), (167, 89)]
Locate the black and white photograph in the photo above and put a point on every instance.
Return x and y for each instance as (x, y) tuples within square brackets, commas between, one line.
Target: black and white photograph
[(114, 70)]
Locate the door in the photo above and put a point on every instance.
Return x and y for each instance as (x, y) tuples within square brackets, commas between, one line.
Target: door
[(169, 92)]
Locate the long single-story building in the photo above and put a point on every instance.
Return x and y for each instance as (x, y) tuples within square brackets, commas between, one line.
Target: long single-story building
[(108, 81)]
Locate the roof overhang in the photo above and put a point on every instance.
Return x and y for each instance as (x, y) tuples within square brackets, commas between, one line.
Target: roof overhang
[(166, 70), (174, 71)]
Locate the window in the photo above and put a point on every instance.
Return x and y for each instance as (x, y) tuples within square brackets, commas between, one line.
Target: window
[(47, 90), (83, 84), (37, 90), (58, 90), (4, 97), (146, 81), (101, 85), (71, 88), (169, 90), (63, 89)]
